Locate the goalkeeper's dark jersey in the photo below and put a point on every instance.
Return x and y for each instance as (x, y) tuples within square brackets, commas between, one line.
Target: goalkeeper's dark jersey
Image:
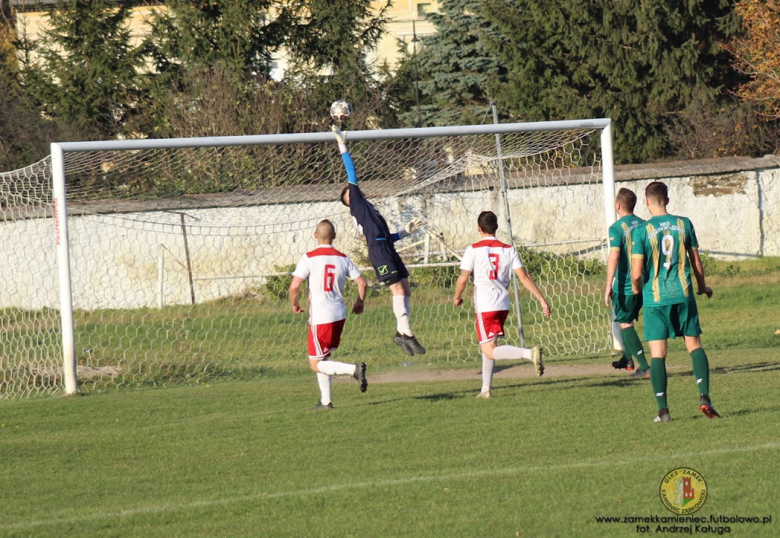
[(368, 219)]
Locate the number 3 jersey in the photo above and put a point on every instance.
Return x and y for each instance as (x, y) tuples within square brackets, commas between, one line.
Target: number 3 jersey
[(491, 263), (663, 243), (326, 270)]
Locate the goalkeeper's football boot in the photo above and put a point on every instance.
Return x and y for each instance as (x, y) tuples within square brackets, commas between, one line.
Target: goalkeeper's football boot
[(663, 416), (484, 395), (360, 375), (641, 374), (321, 406), (399, 340), (706, 407), (413, 344), (536, 357), (623, 363)]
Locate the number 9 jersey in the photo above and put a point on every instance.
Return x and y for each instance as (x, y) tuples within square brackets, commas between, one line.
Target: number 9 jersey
[(663, 243), (491, 264), (326, 270)]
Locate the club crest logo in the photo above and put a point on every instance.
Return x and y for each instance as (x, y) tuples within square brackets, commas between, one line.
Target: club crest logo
[(683, 491)]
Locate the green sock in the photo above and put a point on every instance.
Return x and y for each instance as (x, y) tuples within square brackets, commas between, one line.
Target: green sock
[(634, 346), (701, 370), (658, 380)]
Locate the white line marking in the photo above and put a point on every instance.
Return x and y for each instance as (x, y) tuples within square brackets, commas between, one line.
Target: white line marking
[(376, 484)]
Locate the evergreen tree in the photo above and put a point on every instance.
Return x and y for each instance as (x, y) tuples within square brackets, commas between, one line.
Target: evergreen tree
[(8, 63), (639, 63), (88, 70), (328, 46), (456, 65), (239, 35)]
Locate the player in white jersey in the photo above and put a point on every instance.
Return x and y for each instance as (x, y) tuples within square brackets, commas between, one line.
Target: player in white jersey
[(491, 263), (326, 270)]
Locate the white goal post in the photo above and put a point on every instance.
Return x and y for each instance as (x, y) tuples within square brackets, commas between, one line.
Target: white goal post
[(171, 284)]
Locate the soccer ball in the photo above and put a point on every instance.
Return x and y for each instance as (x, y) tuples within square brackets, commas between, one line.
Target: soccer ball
[(340, 110)]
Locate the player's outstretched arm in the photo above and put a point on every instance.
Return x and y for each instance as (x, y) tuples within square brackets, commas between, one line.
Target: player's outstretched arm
[(460, 287), (411, 227), (349, 164), (529, 284), (612, 264), (698, 272), (357, 307), (294, 294)]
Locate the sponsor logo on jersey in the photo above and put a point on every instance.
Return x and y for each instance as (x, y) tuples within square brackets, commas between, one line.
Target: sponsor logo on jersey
[(382, 270)]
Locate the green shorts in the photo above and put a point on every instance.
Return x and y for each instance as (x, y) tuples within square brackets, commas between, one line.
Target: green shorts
[(669, 321), (627, 307)]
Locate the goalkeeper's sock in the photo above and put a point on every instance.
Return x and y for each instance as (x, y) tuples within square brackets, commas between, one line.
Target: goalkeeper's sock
[(336, 368), (512, 352), (324, 381), (701, 370), (401, 311), (634, 346), (487, 373), (658, 380)]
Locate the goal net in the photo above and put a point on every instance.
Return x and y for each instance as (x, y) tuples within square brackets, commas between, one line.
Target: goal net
[(180, 251)]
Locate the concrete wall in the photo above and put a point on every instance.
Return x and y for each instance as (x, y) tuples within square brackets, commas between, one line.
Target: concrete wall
[(139, 259)]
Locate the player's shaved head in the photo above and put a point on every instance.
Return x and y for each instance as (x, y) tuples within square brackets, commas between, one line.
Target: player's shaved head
[(488, 222), (325, 231), (657, 193), (627, 199)]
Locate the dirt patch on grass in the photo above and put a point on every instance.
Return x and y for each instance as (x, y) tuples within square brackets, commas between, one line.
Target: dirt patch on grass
[(516, 371)]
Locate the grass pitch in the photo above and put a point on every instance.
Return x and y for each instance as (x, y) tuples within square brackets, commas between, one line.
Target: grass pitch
[(544, 457)]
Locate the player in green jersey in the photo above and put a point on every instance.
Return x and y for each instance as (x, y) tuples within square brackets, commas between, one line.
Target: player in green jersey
[(663, 255), (618, 289)]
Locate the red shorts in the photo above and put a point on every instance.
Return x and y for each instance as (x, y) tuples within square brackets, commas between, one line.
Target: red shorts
[(490, 325), (324, 338)]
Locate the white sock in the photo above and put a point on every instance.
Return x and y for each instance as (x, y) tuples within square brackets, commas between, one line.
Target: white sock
[(487, 373), (324, 381), (336, 368), (512, 352), (401, 311)]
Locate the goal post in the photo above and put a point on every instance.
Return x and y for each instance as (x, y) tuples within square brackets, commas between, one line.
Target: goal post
[(130, 226)]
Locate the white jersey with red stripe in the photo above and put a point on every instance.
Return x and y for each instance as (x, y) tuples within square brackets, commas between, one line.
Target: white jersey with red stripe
[(491, 263), (326, 270)]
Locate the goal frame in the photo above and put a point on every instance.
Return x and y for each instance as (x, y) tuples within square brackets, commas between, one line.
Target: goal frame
[(58, 150)]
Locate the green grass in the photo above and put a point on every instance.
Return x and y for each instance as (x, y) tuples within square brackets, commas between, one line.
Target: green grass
[(544, 457)]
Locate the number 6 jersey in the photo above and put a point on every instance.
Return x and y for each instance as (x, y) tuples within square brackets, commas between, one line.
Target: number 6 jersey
[(326, 270), (491, 263)]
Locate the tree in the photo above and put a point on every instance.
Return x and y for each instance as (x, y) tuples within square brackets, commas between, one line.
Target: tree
[(8, 63), (239, 35), (456, 64), (757, 54), (639, 63), (328, 47), (87, 73)]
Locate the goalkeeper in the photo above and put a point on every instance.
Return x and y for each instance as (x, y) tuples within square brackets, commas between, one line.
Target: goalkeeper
[(390, 269)]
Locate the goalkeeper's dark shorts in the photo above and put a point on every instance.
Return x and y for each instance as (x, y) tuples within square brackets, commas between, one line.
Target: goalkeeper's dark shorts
[(627, 307), (386, 262)]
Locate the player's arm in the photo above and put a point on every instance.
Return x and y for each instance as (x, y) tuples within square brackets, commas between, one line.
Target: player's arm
[(349, 164), (637, 268), (460, 287), (294, 294), (698, 273), (411, 227), (612, 264), (529, 284), (357, 307)]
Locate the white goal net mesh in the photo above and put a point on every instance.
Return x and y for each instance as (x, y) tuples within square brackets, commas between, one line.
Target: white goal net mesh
[(181, 258)]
